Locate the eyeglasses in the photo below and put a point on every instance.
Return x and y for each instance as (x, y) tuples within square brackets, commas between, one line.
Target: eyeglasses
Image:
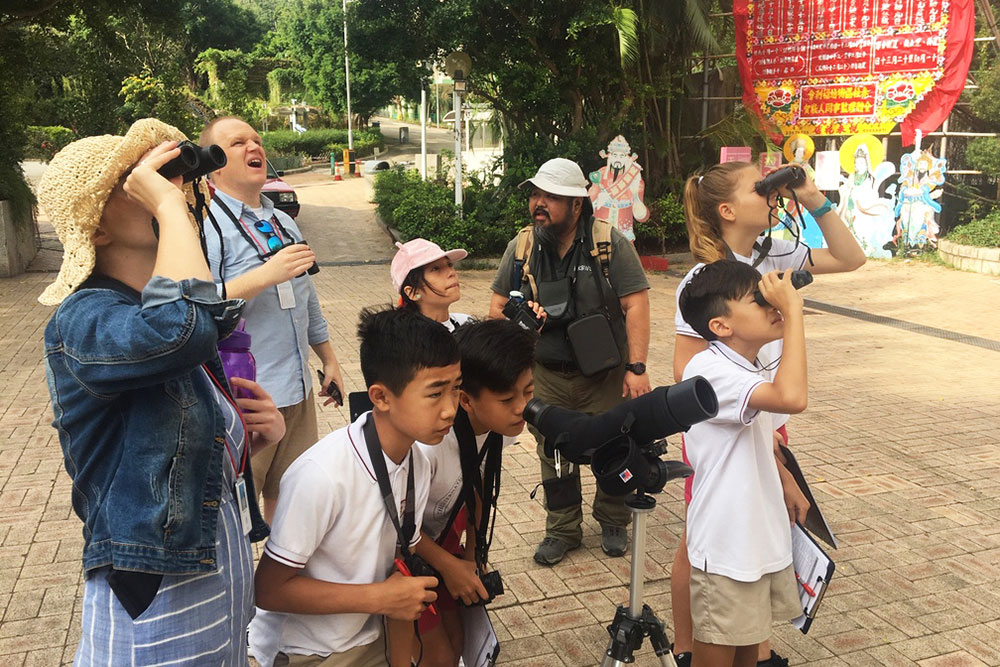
[(274, 241)]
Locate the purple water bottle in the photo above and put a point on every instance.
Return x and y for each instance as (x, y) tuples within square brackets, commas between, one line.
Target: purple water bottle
[(237, 360)]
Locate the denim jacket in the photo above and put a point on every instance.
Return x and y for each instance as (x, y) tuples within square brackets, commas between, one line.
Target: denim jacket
[(140, 429)]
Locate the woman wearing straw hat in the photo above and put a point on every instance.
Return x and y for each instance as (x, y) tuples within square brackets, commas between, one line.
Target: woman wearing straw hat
[(151, 436)]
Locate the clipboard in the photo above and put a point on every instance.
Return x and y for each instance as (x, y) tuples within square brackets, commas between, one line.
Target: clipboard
[(813, 568), (482, 648), (815, 522)]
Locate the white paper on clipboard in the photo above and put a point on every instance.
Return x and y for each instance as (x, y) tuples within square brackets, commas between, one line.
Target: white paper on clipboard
[(481, 645)]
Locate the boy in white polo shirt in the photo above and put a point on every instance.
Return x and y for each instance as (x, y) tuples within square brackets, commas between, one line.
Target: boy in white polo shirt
[(738, 536), (497, 383), (326, 575)]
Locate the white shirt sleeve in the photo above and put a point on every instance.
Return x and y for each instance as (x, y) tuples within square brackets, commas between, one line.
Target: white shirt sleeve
[(306, 512)]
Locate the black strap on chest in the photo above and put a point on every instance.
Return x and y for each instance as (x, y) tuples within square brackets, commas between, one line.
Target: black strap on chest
[(485, 486), (405, 531), (763, 249)]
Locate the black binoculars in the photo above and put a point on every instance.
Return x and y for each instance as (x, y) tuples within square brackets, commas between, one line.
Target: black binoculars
[(800, 279), (194, 161), (793, 177)]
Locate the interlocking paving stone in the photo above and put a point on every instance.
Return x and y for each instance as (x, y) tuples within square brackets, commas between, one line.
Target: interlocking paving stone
[(899, 444)]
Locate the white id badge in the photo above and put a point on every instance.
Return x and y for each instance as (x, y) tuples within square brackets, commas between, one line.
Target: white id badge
[(240, 489), (286, 295)]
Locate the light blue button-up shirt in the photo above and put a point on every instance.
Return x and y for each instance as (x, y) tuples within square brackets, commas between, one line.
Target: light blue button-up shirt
[(279, 338)]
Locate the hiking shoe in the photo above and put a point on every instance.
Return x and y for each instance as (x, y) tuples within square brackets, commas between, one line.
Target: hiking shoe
[(774, 661), (614, 540), (552, 550)]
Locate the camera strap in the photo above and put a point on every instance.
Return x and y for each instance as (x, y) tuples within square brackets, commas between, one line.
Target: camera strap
[(485, 486), (405, 532)]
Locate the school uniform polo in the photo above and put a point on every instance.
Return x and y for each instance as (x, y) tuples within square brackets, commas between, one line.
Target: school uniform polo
[(445, 471), (737, 524), (332, 524)]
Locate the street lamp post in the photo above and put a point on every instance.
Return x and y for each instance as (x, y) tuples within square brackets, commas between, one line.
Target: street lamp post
[(457, 65), (347, 78)]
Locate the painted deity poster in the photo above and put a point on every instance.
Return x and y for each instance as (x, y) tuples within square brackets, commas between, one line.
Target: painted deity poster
[(617, 188)]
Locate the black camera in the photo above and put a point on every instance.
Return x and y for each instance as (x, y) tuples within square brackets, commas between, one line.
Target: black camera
[(418, 567), (493, 585), (312, 270), (793, 177), (517, 310), (800, 279), (194, 161)]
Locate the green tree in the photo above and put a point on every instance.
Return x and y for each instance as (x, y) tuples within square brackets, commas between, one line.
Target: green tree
[(389, 51)]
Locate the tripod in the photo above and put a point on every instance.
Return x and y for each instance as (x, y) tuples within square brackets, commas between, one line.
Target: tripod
[(632, 624)]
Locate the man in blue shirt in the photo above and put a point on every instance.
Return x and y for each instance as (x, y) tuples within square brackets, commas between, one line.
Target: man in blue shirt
[(260, 258)]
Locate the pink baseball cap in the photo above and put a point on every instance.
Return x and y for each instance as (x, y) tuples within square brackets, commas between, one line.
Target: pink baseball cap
[(416, 253)]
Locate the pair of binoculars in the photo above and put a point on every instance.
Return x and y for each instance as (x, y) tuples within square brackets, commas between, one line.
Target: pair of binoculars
[(194, 161)]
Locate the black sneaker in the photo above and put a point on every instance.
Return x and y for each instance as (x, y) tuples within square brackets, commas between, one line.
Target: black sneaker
[(774, 661), (682, 659)]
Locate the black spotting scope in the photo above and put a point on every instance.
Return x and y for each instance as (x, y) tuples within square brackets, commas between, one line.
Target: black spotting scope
[(623, 443), (662, 412), (194, 161)]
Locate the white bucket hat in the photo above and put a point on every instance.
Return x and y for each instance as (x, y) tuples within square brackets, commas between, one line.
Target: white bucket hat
[(560, 176), (76, 186)]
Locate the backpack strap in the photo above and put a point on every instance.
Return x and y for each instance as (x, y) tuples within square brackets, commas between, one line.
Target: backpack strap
[(522, 260), (601, 236)]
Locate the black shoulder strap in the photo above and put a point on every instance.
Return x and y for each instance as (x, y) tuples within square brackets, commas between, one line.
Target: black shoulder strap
[(404, 532), (763, 249), (486, 485)]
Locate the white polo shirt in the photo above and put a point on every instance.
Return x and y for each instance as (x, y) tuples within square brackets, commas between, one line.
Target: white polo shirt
[(331, 522), (737, 524), (784, 254), (445, 468)]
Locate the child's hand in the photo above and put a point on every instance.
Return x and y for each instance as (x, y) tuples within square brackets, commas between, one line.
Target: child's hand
[(405, 598), (462, 581), (780, 293), (795, 502)]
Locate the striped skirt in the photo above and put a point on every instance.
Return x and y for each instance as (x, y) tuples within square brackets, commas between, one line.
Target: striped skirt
[(193, 620)]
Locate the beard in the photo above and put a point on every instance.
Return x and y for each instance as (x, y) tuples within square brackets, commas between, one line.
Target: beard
[(616, 169), (548, 232)]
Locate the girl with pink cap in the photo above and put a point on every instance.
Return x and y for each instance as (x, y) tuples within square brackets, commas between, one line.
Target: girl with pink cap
[(424, 276)]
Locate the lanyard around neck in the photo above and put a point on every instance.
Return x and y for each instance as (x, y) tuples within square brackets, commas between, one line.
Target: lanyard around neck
[(406, 531)]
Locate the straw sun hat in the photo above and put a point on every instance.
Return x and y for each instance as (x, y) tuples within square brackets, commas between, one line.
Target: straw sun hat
[(76, 186)]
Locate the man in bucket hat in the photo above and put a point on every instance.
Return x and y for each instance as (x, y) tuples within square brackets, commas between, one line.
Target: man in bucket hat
[(154, 442), (577, 267)]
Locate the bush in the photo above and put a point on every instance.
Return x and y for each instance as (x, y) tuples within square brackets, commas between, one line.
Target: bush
[(665, 226), (984, 232), (46, 141), (283, 162), (426, 209), (319, 143)]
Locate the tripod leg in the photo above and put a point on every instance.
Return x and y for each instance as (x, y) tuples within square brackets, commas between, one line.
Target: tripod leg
[(658, 637)]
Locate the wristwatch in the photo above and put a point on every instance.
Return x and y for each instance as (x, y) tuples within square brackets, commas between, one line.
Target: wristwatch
[(638, 368)]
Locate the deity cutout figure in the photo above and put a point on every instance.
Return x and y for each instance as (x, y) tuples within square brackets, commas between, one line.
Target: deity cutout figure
[(618, 188), (920, 179), (869, 216)]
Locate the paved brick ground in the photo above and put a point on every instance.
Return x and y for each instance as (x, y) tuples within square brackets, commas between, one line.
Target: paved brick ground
[(899, 444)]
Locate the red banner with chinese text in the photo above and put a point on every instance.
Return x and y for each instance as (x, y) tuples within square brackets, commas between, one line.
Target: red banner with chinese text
[(833, 67)]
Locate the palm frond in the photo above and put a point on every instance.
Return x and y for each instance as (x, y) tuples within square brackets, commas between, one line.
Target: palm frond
[(697, 12), (626, 22)]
